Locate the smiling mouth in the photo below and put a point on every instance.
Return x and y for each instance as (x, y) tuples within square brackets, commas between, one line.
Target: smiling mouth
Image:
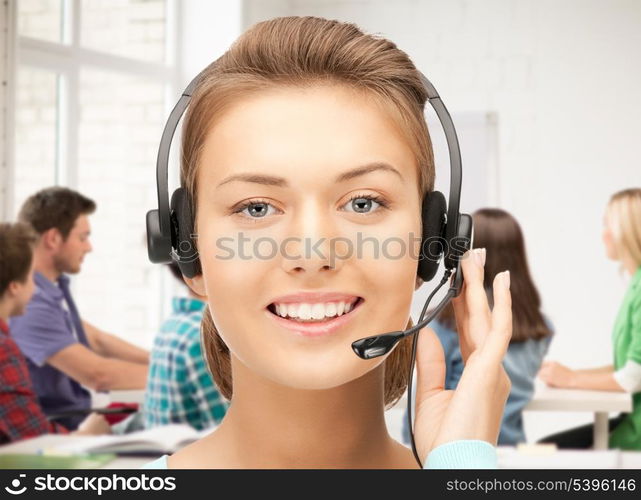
[(328, 314)]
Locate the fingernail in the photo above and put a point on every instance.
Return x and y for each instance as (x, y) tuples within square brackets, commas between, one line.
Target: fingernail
[(477, 257), (506, 279), (483, 253)]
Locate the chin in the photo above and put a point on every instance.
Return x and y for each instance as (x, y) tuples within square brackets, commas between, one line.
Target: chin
[(320, 372)]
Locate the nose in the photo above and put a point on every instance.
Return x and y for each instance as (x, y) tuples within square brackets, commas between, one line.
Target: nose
[(312, 244)]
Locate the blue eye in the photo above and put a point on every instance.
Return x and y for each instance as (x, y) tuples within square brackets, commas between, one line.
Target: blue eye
[(257, 209), (362, 203)]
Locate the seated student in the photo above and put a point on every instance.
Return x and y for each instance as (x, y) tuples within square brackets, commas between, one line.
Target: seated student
[(64, 353), (20, 413), (180, 388), (622, 240), (500, 235)]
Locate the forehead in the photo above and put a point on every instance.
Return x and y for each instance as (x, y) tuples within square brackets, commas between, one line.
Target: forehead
[(304, 133), (81, 224)]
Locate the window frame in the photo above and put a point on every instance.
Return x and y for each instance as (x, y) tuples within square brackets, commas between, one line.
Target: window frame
[(66, 59)]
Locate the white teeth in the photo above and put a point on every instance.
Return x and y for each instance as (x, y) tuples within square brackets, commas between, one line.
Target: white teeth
[(319, 311), (304, 311), (330, 309)]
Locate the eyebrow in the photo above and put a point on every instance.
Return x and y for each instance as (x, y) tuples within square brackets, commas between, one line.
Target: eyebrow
[(269, 180)]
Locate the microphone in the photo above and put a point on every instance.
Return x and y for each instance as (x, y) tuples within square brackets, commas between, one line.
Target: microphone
[(378, 345)]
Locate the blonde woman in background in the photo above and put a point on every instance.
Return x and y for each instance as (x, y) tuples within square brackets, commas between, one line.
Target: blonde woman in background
[(622, 240)]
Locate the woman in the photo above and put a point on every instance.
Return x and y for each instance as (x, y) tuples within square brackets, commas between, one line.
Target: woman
[(622, 241), (501, 236), (308, 130)]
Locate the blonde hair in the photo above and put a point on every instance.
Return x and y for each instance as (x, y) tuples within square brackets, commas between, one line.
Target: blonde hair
[(302, 52), (624, 221)]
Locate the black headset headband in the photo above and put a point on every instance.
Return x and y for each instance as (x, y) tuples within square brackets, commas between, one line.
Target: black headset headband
[(159, 231)]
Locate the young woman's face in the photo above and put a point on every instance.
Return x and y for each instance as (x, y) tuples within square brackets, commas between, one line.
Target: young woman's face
[(288, 180)]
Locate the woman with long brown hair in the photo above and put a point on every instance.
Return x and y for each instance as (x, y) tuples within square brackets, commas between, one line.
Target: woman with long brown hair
[(499, 234), (309, 130)]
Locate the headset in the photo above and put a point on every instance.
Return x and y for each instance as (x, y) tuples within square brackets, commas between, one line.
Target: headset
[(446, 233)]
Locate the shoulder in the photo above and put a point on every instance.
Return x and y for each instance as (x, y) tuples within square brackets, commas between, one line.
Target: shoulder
[(42, 309), (442, 330), (189, 332), (9, 351)]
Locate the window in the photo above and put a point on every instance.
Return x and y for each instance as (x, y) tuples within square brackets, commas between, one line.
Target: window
[(93, 78)]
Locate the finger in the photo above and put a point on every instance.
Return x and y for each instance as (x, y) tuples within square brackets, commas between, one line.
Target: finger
[(460, 315), (430, 365), (501, 331), (479, 318)]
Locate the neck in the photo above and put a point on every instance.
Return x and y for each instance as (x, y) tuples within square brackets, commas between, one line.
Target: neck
[(44, 265), (630, 265), (273, 426), (5, 310)]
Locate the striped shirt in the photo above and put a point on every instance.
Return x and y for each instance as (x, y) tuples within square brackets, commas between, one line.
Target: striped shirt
[(180, 388)]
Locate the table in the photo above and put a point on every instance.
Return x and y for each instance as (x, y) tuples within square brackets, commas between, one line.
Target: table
[(510, 457), (132, 396), (32, 445), (599, 402)]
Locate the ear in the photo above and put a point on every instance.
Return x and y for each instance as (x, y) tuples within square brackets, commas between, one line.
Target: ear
[(13, 289), (196, 284), (52, 239)]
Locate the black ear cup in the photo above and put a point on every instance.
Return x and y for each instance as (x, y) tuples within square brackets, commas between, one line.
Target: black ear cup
[(183, 239), (434, 213)]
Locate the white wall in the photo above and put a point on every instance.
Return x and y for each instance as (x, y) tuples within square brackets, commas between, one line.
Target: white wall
[(563, 79), (207, 29)]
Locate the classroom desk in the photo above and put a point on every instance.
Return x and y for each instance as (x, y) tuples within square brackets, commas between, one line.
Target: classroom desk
[(510, 457), (599, 402), (34, 444), (134, 396)]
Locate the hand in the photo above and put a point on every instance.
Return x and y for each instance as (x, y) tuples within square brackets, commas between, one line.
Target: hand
[(556, 375), (92, 425), (475, 409)]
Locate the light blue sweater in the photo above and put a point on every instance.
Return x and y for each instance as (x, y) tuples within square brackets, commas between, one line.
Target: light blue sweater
[(463, 454)]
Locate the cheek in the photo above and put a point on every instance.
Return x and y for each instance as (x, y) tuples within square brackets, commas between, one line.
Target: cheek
[(238, 288)]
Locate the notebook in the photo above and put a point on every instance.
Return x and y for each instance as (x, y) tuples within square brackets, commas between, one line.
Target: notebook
[(24, 461), (158, 440)]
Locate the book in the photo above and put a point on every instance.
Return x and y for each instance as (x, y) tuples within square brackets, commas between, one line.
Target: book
[(164, 439), (28, 461)]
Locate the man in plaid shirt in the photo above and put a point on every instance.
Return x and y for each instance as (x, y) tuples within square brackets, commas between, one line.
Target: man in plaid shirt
[(180, 388), (20, 413)]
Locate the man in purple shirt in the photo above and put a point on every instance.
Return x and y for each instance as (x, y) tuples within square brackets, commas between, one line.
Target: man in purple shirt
[(63, 352)]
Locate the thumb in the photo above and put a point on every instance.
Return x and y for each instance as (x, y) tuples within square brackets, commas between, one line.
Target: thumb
[(430, 365)]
